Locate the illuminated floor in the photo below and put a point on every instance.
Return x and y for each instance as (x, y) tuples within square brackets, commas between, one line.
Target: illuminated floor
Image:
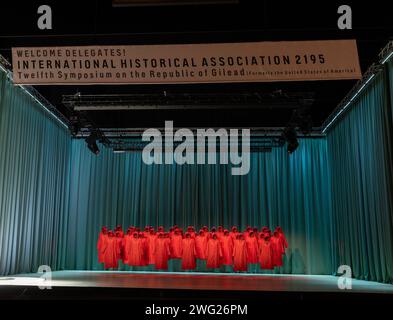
[(193, 281)]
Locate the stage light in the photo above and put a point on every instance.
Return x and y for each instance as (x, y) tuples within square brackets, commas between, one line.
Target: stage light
[(290, 137), (292, 146), (92, 143)]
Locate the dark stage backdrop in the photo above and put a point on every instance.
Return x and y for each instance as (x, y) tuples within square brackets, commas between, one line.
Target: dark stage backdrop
[(360, 152)]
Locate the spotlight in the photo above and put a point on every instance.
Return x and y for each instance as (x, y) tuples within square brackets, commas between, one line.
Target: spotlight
[(74, 129), (75, 125), (92, 143), (290, 136), (292, 146)]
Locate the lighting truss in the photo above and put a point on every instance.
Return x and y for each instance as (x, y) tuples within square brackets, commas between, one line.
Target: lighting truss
[(386, 53), (5, 66), (171, 100), (130, 140)]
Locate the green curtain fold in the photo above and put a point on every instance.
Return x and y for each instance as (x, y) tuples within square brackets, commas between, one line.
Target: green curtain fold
[(34, 164), (292, 191), (360, 158)]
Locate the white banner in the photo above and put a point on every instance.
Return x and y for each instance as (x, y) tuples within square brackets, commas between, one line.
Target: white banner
[(187, 63)]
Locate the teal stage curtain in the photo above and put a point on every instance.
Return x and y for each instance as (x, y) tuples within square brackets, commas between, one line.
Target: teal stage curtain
[(34, 164), (55, 195), (360, 156), (290, 191), (332, 196)]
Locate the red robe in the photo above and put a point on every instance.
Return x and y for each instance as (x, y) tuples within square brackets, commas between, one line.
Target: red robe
[(161, 253), (252, 249), (277, 251), (233, 235), (227, 250), (126, 244), (100, 245), (144, 249), (135, 252), (213, 253), (151, 244), (265, 254), (192, 233), (283, 239), (201, 246), (188, 254), (240, 255), (176, 246), (120, 254), (110, 253)]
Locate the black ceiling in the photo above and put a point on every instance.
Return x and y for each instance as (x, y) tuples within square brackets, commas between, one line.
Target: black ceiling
[(97, 22)]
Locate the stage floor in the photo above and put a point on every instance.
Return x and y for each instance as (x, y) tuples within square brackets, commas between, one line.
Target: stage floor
[(194, 281)]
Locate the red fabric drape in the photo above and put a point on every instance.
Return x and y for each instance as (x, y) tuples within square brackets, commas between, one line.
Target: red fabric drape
[(240, 255), (110, 252), (100, 245), (201, 246), (176, 246), (217, 247), (227, 250), (151, 245), (162, 253), (126, 247), (277, 250), (252, 249), (265, 254), (136, 252), (213, 253), (188, 254)]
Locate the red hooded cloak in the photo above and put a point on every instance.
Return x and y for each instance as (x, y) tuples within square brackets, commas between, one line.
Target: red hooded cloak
[(227, 249), (188, 253), (213, 252), (201, 245), (240, 254)]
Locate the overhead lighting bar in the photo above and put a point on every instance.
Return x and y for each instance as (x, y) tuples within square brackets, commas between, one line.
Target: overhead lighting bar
[(386, 53), (361, 88), (2, 68), (174, 107), (387, 58), (43, 106), (384, 56), (119, 151)]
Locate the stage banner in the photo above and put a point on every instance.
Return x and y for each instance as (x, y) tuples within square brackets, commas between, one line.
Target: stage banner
[(187, 63)]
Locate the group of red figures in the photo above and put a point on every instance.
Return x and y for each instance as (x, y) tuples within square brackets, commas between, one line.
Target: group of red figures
[(217, 246)]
